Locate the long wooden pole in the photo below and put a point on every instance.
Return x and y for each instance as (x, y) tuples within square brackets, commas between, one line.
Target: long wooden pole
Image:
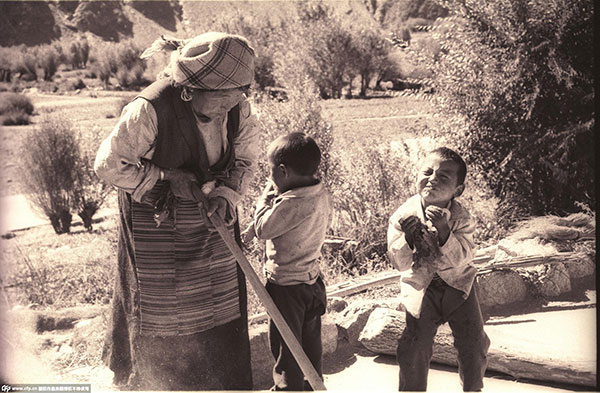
[(286, 333)]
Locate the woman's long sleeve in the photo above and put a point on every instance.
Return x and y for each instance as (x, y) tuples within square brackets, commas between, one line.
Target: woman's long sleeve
[(122, 159)]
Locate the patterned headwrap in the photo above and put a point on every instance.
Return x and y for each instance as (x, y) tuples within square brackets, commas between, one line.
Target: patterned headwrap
[(210, 61)]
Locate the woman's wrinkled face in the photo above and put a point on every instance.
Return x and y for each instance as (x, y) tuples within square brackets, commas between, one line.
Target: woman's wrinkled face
[(214, 104)]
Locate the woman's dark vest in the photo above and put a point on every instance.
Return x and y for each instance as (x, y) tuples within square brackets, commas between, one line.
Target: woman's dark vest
[(179, 144)]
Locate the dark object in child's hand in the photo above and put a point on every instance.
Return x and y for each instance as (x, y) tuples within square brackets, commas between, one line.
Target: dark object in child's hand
[(424, 241)]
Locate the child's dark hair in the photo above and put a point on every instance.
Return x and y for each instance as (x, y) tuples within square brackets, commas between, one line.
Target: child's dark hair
[(297, 151), (449, 154)]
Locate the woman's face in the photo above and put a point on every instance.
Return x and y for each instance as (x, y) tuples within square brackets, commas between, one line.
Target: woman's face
[(215, 103)]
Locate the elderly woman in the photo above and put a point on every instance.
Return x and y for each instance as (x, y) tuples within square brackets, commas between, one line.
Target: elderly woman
[(179, 316)]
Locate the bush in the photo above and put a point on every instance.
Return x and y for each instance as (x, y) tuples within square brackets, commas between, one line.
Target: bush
[(26, 65), (521, 75), (318, 46), (90, 192), (14, 118), (15, 109), (370, 184), (48, 61), (58, 173), (50, 154), (15, 102), (7, 66), (44, 273), (121, 61)]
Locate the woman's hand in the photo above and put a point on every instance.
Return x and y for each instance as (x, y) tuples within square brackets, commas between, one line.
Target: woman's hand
[(218, 205), (183, 183)]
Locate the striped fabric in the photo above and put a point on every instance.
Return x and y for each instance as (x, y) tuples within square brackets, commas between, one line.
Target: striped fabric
[(214, 61), (187, 277)]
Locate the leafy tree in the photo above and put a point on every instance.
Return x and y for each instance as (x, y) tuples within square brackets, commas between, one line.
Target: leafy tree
[(48, 61), (371, 56), (521, 74)]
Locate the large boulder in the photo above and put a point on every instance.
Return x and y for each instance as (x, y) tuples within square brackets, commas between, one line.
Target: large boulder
[(584, 267), (382, 330), (353, 319), (550, 280), (500, 288)]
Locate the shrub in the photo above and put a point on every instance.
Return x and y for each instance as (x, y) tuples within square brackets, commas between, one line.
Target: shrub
[(50, 154), (371, 55), (121, 61), (522, 76), (14, 118), (90, 192), (7, 66), (15, 109), (15, 102), (26, 65), (48, 61), (43, 273)]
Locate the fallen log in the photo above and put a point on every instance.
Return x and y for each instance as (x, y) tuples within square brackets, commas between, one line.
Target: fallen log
[(507, 354)]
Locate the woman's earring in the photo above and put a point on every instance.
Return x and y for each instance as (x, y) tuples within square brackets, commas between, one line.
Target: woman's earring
[(186, 94)]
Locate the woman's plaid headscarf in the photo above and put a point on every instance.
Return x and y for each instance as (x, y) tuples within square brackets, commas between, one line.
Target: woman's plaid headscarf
[(210, 61)]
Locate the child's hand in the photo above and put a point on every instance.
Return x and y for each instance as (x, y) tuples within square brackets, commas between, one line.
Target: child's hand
[(410, 226), (437, 216), (439, 219), (248, 235), (269, 192)]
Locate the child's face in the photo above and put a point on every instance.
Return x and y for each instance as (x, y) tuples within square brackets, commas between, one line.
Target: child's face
[(437, 181)]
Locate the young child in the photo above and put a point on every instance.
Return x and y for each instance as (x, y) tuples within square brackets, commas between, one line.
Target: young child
[(293, 215), (430, 240)]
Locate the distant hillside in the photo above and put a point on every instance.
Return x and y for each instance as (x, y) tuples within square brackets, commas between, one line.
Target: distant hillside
[(41, 22)]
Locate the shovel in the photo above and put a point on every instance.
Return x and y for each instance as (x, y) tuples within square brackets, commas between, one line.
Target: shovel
[(286, 333)]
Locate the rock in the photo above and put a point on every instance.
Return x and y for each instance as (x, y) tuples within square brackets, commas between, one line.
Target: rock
[(336, 304), (500, 288), (382, 330), (586, 266), (354, 318), (552, 280)]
